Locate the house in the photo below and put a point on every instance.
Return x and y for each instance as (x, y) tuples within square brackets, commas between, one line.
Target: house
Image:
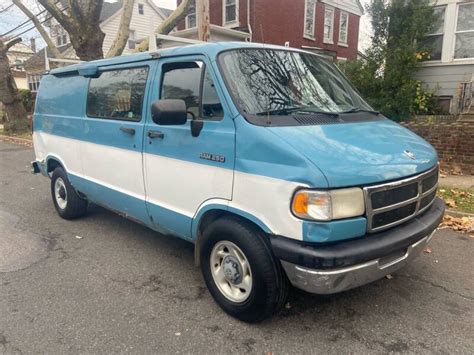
[(450, 69), (329, 27), (146, 17), (17, 56)]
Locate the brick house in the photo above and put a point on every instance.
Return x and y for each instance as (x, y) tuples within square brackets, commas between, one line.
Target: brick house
[(330, 27)]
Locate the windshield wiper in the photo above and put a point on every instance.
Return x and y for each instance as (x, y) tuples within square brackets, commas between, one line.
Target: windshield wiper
[(288, 110), (357, 109)]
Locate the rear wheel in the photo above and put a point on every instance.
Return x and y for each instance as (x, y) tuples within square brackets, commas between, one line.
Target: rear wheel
[(67, 202), (242, 274)]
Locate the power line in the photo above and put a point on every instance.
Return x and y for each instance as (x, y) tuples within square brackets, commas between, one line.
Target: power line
[(6, 9), (28, 20), (33, 27), (21, 24)]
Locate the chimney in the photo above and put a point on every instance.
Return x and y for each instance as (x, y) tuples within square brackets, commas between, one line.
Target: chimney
[(33, 44)]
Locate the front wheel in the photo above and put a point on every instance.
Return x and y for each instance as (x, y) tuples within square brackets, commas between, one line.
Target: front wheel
[(239, 269)]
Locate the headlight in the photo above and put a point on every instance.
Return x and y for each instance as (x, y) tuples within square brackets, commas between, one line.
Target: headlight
[(328, 205)]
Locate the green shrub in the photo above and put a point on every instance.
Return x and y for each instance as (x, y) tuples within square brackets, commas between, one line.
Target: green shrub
[(27, 99), (386, 78)]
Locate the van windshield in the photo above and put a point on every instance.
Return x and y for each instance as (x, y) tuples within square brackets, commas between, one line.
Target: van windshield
[(285, 82)]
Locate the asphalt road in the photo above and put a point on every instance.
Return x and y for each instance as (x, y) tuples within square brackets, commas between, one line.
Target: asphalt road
[(105, 284)]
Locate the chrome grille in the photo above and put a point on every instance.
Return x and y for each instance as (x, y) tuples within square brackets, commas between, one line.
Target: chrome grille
[(390, 204)]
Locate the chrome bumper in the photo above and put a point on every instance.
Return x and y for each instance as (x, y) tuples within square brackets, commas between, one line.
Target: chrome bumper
[(330, 281)]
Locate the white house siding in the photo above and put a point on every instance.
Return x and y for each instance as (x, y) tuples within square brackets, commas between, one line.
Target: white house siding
[(21, 82), (445, 79), (143, 25), (446, 75), (351, 6)]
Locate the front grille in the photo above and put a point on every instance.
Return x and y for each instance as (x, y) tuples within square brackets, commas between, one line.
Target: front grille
[(390, 204)]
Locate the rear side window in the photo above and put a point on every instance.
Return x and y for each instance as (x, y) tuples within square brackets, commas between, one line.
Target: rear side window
[(117, 94), (192, 82)]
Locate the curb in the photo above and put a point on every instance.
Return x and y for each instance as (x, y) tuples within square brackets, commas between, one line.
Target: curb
[(458, 214), (17, 140)]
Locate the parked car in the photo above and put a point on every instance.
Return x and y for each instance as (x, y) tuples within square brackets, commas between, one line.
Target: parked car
[(264, 157)]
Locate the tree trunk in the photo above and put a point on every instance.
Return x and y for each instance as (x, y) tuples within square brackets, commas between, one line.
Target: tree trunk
[(16, 120), (81, 20), (88, 43)]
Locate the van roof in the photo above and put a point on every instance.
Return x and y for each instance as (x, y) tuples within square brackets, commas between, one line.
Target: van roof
[(211, 49)]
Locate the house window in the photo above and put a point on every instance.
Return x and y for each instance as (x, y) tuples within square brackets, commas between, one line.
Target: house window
[(61, 36), (328, 24), (141, 9), (464, 47), (434, 41), (117, 94), (309, 15), (191, 20), (131, 39), (33, 81), (230, 11), (343, 26)]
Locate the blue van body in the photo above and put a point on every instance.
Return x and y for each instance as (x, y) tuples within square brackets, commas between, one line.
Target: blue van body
[(178, 183)]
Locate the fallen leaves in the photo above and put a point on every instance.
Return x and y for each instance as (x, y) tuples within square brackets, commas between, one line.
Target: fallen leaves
[(458, 224), (459, 199), (450, 203)]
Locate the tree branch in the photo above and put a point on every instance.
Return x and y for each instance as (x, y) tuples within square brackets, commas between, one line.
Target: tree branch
[(124, 28), (40, 28), (169, 23), (63, 19), (12, 43)]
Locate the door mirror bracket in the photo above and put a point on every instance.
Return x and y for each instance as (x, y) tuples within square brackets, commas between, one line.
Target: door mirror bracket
[(196, 127)]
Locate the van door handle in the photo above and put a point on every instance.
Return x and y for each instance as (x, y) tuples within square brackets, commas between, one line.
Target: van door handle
[(127, 130), (156, 134)]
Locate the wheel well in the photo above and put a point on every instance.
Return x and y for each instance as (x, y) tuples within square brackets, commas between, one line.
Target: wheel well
[(53, 164), (207, 219)]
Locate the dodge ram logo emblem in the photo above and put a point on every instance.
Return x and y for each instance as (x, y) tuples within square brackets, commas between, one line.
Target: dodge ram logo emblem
[(409, 154)]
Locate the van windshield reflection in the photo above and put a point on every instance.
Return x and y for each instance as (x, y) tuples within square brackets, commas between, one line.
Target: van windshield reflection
[(282, 82)]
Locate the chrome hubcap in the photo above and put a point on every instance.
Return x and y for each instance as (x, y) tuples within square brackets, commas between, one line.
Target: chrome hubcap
[(231, 271), (60, 193)]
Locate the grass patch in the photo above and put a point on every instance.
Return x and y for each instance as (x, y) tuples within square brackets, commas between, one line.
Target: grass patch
[(25, 135), (457, 199)]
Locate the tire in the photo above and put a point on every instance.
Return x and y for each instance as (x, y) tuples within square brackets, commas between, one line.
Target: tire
[(250, 300), (67, 202)]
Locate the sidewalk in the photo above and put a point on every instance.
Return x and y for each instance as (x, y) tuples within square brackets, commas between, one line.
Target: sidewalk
[(458, 181)]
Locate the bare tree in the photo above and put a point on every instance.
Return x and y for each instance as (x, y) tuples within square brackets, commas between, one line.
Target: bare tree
[(81, 20), (124, 29), (53, 49), (16, 119), (171, 22)]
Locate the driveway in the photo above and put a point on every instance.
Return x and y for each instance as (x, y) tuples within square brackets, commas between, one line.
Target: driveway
[(105, 284)]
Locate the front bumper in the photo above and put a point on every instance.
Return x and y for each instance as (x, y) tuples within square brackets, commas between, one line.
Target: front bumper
[(327, 269)]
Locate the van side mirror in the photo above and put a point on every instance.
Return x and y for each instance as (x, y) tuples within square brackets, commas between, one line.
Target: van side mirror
[(169, 112)]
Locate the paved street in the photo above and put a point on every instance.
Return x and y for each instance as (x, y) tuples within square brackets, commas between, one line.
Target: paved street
[(106, 284)]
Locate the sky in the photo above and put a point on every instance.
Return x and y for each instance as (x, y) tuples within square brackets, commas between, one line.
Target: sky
[(13, 17)]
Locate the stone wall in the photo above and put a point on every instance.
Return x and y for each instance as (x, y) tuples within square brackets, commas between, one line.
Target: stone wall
[(453, 140)]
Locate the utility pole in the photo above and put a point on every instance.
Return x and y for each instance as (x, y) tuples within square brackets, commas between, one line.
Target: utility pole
[(203, 22)]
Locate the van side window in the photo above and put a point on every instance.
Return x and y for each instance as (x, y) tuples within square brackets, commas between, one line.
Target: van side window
[(117, 94), (188, 82)]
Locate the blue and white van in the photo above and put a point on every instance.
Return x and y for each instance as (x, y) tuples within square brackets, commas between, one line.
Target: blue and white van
[(264, 157)]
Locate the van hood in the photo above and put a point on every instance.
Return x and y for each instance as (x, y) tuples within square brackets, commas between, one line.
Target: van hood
[(355, 154)]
